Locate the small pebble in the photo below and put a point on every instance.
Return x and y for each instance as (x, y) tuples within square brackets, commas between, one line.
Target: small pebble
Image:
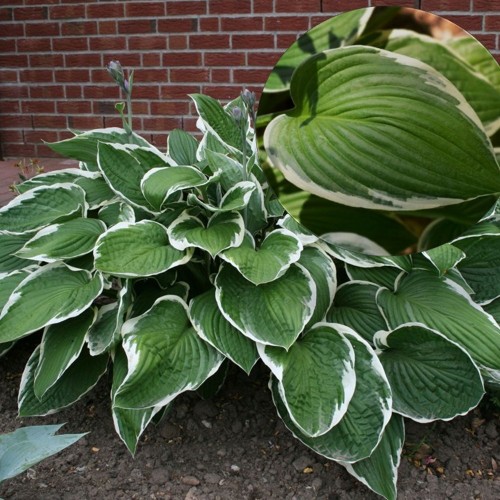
[(301, 463), (235, 468), (212, 478), (190, 480)]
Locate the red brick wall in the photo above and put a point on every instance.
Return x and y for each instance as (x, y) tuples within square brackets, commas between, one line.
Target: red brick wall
[(53, 54)]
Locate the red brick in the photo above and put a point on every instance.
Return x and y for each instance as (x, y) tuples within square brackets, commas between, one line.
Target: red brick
[(30, 13), (286, 23), (84, 60), (151, 59), (492, 23), (37, 136), (169, 108), (10, 107), (253, 23), (49, 121), (43, 151), (72, 44), (174, 91), (137, 26), (246, 76), (33, 44), (209, 24), (85, 122), (231, 58), (257, 41), (73, 92), (230, 6), (147, 43), (111, 121), (74, 107), (343, 5), (100, 92), (108, 43), (141, 108), (13, 91), (67, 11), (44, 2), (209, 42), (186, 25), (149, 92), (8, 75), (6, 14), (42, 29), (263, 6), (489, 41), (103, 10), (486, 5), (284, 41), (38, 106), (7, 45), (145, 9), (396, 3), (189, 75), (186, 8), (13, 30), (79, 28), (445, 5), (159, 140), (18, 150), (13, 61), (309, 6), (37, 75), (46, 92), (161, 124), (468, 23), (11, 136), (177, 42), (150, 75), (220, 75), (266, 59), (107, 27), (45, 60), (181, 59), (72, 75), (223, 92)]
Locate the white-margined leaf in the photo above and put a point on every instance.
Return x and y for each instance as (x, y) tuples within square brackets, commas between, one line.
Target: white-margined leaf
[(315, 377), (279, 249), (380, 130), (65, 240), (355, 243), (493, 308), (63, 176), (61, 346), (75, 382), (444, 257), (432, 378), (9, 282), (137, 249), (97, 190), (42, 206), (440, 304), (217, 331), (182, 147), (223, 230), (230, 172), (165, 356), (49, 295), (116, 212), (380, 470), (384, 276), (360, 429), (272, 313), (306, 236), (9, 245), (236, 198), (257, 216), (158, 184)]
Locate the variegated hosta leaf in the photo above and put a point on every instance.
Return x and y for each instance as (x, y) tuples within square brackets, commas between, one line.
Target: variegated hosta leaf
[(9, 245), (223, 230), (160, 183), (440, 304), (368, 121), (279, 249), (306, 236), (63, 241), (380, 470), (61, 346), (431, 377), (324, 275), (137, 249), (315, 377), (355, 243), (256, 212), (75, 382), (444, 257), (384, 276), (129, 424), (9, 282), (360, 429), (493, 308), (272, 313), (355, 306), (230, 171), (66, 175), (165, 356), (49, 295), (123, 173), (116, 212), (182, 147), (42, 206), (97, 190), (212, 327), (236, 198)]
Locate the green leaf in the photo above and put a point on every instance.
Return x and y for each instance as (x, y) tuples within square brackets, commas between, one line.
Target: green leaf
[(182, 147), (97, 191), (236, 198), (42, 206), (384, 276), (26, 446), (493, 308), (123, 173), (279, 249), (63, 176), (223, 230), (440, 304), (165, 356), (9, 245), (444, 257), (76, 381), (272, 313), (360, 429), (315, 377), (431, 377), (380, 470), (116, 212), (230, 171), (160, 183), (356, 126), (61, 346), (212, 327), (9, 282), (355, 306), (66, 240), (137, 249), (49, 295)]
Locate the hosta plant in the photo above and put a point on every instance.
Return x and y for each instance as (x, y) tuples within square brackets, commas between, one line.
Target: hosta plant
[(162, 266)]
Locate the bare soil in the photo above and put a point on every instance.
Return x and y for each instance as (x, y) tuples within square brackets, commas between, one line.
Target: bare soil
[(234, 446)]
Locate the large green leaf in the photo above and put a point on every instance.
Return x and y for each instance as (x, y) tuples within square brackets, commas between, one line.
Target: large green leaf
[(63, 241), (165, 356), (236, 198), (49, 295), (137, 249), (212, 327), (26, 446), (97, 190), (440, 304), (63, 176), (42, 206), (444, 257), (272, 313), (384, 276), (315, 377), (60, 347), (279, 249), (380, 470), (9, 282), (9, 245), (116, 212), (181, 147), (223, 230), (230, 171), (360, 429), (374, 129), (431, 377)]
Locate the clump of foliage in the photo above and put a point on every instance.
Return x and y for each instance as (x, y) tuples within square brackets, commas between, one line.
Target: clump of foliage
[(163, 266)]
